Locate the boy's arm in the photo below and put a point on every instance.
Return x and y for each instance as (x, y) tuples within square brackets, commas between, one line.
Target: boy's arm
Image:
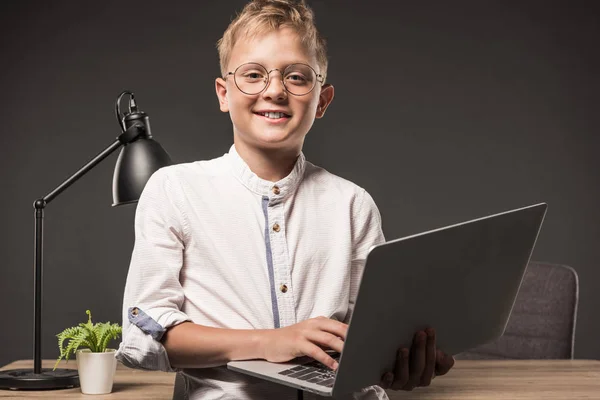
[(191, 345), (367, 232), (153, 295)]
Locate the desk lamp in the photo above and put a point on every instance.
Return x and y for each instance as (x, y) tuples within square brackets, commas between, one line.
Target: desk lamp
[(140, 157)]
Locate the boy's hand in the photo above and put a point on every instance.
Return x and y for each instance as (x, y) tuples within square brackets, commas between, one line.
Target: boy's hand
[(307, 338), (419, 366)]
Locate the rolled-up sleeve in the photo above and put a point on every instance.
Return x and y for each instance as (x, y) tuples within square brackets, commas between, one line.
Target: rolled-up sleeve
[(153, 295)]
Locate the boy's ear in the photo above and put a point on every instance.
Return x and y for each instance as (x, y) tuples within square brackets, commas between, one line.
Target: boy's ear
[(221, 89), (325, 98)]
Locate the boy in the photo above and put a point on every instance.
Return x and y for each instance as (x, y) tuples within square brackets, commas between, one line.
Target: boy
[(256, 254)]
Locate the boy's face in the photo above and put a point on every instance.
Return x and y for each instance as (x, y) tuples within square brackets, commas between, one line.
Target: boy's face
[(276, 49)]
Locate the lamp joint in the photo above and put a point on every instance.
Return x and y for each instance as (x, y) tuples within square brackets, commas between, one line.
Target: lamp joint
[(39, 204)]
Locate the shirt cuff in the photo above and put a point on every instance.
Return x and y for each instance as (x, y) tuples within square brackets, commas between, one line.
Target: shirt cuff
[(166, 317), (141, 347)]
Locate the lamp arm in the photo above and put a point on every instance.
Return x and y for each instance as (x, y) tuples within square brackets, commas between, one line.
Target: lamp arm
[(128, 136)]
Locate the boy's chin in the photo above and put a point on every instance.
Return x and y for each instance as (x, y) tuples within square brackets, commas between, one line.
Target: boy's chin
[(275, 141), (281, 145)]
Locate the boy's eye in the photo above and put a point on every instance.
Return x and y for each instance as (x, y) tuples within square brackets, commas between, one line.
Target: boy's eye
[(296, 79), (252, 75)]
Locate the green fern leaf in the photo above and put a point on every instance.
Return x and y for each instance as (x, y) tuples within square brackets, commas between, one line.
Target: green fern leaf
[(89, 328), (68, 333), (74, 344), (105, 336), (98, 336), (109, 332), (75, 341)]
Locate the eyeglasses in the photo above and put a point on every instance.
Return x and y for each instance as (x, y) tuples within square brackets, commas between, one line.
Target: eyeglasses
[(253, 78)]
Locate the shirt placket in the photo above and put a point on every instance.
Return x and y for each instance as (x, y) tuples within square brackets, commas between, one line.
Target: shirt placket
[(281, 266)]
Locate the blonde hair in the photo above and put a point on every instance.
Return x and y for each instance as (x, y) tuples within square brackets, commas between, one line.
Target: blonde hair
[(262, 16)]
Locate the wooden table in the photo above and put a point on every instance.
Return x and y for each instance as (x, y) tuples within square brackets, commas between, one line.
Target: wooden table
[(513, 380), (469, 380), (129, 384)]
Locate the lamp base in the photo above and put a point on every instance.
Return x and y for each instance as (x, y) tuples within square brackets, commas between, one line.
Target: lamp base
[(26, 379)]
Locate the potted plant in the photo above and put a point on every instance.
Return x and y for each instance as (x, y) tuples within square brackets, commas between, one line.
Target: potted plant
[(96, 362)]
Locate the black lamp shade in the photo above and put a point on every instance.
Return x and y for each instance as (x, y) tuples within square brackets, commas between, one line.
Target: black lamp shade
[(136, 163)]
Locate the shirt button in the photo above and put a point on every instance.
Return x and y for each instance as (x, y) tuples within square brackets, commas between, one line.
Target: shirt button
[(276, 228), (135, 311), (283, 288), (276, 190)]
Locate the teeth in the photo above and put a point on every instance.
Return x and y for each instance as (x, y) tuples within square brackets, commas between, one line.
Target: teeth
[(273, 115)]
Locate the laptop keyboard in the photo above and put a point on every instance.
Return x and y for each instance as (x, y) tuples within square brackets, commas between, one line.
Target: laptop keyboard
[(313, 372)]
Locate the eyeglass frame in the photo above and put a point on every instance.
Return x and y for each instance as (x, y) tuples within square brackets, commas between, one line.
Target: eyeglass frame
[(319, 79)]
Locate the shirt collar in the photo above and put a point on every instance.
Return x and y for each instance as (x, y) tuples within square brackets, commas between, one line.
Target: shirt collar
[(274, 190)]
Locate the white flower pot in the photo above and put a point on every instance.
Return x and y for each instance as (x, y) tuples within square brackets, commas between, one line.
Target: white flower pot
[(96, 371)]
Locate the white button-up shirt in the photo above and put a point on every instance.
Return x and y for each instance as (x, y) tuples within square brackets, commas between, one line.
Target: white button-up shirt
[(219, 246)]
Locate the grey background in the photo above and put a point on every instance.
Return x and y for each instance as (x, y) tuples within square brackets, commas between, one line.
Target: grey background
[(444, 111)]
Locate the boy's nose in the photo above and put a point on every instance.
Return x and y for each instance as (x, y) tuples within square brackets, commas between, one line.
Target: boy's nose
[(275, 88)]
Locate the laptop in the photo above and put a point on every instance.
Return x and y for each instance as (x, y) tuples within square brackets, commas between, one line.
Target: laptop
[(461, 280)]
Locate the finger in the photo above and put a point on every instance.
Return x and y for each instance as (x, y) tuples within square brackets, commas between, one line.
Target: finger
[(417, 360), (444, 363), (401, 370), (326, 339), (386, 380), (430, 358), (318, 354), (332, 326)]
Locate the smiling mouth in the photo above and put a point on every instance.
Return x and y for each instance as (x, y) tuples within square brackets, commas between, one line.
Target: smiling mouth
[(273, 115)]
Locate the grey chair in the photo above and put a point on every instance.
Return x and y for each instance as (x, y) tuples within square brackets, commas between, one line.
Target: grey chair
[(542, 323)]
